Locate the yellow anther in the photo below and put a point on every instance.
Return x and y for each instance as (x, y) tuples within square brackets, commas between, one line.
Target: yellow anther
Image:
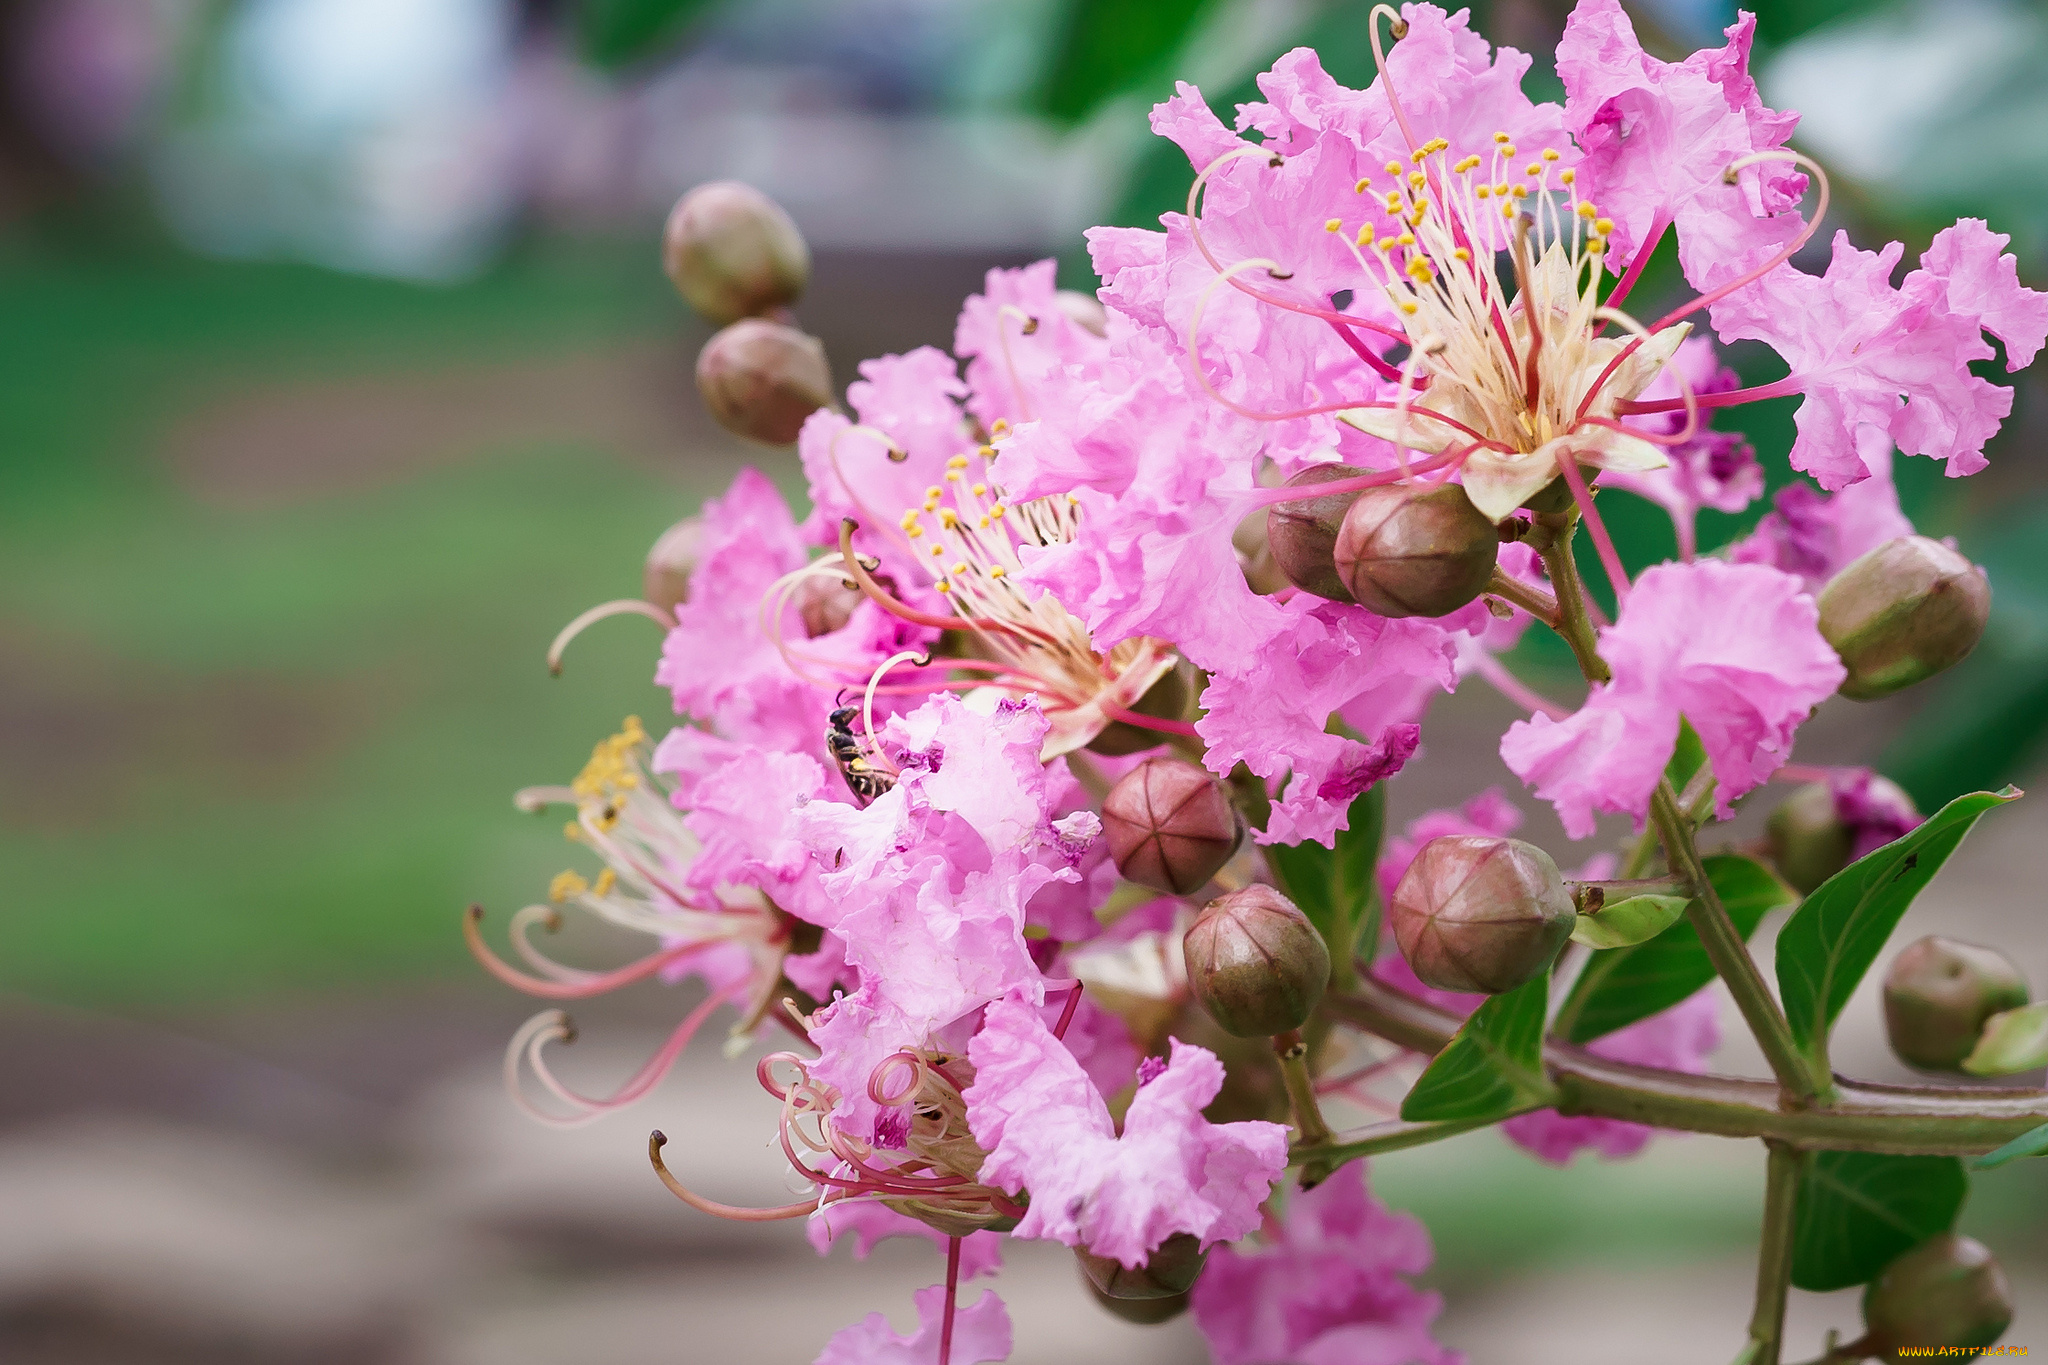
[(1500, 137), (1501, 188), (572, 831), (1468, 164), (1393, 168), (915, 531), (1519, 191), (1393, 202), (979, 490), (1406, 239), (997, 510), (1387, 243), (1550, 153), (983, 523), (999, 426), (565, 885), (1363, 181), (909, 519), (1410, 306), (1416, 180), (952, 476), (938, 550), (1604, 226), (989, 452), (998, 572), (1332, 224), (1419, 153), (1461, 254), (1533, 168), (934, 492), (1484, 191), (606, 880), (1419, 269), (959, 568), (1507, 210), (942, 586), (1507, 149), (957, 462), (1364, 237), (1588, 211), (949, 519), (1596, 247), (1567, 176)]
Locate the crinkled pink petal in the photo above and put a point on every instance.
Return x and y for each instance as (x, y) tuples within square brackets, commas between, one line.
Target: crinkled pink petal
[(1047, 1130), (1715, 469), (1735, 648), (1658, 135), (1814, 535), (1966, 270), (1329, 1286), (1006, 364), (981, 1335), (868, 1222)]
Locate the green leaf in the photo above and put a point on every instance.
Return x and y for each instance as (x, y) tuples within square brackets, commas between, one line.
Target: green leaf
[(1334, 886), (1859, 1210), (1830, 942), (615, 33), (1687, 758), (1105, 46), (1624, 924), (1623, 985), (2033, 1142), (1494, 1067), (2014, 1041)]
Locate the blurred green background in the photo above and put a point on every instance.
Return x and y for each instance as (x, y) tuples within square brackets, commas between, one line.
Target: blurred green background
[(337, 371)]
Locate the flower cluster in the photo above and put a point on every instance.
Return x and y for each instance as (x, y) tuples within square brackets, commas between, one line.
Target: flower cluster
[(1038, 589)]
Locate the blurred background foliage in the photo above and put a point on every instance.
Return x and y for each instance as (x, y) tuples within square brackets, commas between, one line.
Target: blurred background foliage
[(339, 370)]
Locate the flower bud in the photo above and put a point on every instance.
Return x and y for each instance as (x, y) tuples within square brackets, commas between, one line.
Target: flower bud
[(665, 580), (1255, 555), (1083, 310), (1938, 995), (1171, 1269), (733, 253), (762, 379), (1255, 962), (1170, 825), (1166, 699), (825, 602), (1403, 553), (1302, 535), (1948, 1291), (1143, 1312), (1479, 913), (1809, 840), (1902, 613)]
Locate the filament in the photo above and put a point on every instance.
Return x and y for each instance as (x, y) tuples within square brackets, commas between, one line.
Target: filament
[(624, 606)]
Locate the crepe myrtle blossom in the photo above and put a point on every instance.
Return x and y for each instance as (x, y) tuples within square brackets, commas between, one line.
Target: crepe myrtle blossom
[(1814, 535), (1324, 1284), (973, 1335), (1734, 648)]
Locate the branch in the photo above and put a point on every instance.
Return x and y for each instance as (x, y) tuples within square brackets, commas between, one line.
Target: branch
[(1774, 1256), (1908, 1120)]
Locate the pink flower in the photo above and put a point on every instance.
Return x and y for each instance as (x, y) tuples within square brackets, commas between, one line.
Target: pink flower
[(1734, 647), (1657, 137), (1327, 1288), (1013, 335), (1875, 814), (1881, 366), (981, 1334), (1715, 469), (1047, 1130), (868, 1222), (1681, 1038), (1814, 536)]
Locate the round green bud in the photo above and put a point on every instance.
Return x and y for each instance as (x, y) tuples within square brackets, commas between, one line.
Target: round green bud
[(1403, 553), (1302, 534), (665, 578), (1948, 1291), (1809, 841), (1255, 963), (1938, 995), (761, 379), (1171, 1269), (1480, 913), (1170, 825), (1902, 613), (733, 253)]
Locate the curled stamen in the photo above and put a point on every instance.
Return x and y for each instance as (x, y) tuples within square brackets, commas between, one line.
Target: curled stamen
[(920, 658), (1399, 28), (596, 983), (536, 800), (1791, 248), (554, 1025), (624, 606), (1028, 325), (657, 1140)]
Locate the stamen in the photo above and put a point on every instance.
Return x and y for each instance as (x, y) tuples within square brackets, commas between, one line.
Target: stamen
[(624, 606), (1791, 248), (596, 984), (1568, 465), (657, 1140)]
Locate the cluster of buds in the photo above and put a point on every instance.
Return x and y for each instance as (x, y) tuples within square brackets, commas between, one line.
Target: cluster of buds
[(1939, 995), (1395, 550)]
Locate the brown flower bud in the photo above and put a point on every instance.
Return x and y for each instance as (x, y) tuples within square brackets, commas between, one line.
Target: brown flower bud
[(1143, 1312), (1255, 555), (1938, 995), (1948, 1291), (1171, 1269), (1083, 310), (1303, 534), (1170, 825), (665, 580), (1255, 962), (1809, 840), (1479, 913), (1166, 699), (762, 379), (1403, 553), (733, 253), (1903, 613), (825, 602)]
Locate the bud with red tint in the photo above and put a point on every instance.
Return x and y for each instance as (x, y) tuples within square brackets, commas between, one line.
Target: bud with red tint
[(1170, 825), (762, 379), (1946, 1292), (1938, 995), (665, 579), (1302, 535), (1403, 553), (733, 253), (1255, 963), (1480, 913)]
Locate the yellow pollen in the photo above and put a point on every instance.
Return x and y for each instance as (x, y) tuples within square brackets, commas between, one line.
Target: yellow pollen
[(1604, 226), (1332, 224), (998, 572), (1461, 254), (949, 519), (606, 880), (1393, 202), (959, 569), (938, 549), (979, 490), (1519, 191), (565, 885), (1484, 191), (989, 452), (1410, 306), (1567, 176), (1550, 153), (1416, 180), (1387, 243), (909, 521), (997, 510), (1363, 181), (1507, 149), (983, 523), (1364, 237), (1393, 168), (1533, 168), (1500, 137), (942, 586), (1501, 188), (1406, 239), (952, 476), (1596, 247), (957, 462), (934, 492), (1000, 425), (915, 531), (1588, 211), (1507, 210)]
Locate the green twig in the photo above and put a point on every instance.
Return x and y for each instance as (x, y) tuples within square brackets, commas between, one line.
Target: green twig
[(1774, 1254)]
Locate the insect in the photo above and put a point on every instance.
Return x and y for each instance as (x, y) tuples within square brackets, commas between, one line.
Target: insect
[(863, 778)]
